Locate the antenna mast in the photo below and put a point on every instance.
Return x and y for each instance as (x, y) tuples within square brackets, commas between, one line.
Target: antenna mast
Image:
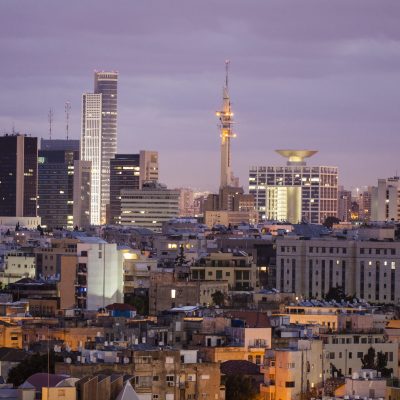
[(227, 62), (67, 111), (50, 115)]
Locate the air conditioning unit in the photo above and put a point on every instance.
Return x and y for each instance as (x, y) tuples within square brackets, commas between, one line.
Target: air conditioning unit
[(170, 384)]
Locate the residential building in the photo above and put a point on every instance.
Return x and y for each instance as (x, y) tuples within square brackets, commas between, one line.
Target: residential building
[(230, 218), (385, 205), (344, 204), (291, 372), (99, 139), (17, 265), (150, 206), (237, 268), (18, 180), (343, 351), (100, 276), (137, 269), (295, 192), (56, 182), (186, 202), (166, 292)]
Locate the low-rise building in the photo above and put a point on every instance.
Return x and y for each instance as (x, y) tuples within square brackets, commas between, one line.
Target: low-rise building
[(237, 268)]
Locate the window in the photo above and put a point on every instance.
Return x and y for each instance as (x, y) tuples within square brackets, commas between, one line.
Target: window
[(169, 378), (350, 354), (290, 384), (359, 354)]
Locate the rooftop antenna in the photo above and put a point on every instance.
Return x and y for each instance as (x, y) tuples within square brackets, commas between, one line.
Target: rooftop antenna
[(67, 111), (50, 115)]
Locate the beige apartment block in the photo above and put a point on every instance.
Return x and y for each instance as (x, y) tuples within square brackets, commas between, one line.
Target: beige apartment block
[(238, 269)]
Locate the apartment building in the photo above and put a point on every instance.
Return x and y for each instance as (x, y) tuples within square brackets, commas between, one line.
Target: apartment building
[(237, 268), (368, 269), (343, 351), (290, 372)]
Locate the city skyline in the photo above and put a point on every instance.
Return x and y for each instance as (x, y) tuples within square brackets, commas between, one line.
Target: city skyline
[(296, 71)]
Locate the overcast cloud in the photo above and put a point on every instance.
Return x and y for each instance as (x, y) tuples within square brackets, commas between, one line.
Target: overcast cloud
[(318, 74)]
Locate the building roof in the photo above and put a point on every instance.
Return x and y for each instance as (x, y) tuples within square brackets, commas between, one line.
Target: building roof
[(120, 307), (128, 393), (92, 240), (12, 355), (253, 319), (42, 379), (239, 367)]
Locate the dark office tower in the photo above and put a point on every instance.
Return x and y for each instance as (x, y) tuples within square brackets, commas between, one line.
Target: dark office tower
[(18, 176), (124, 174), (56, 182), (105, 83)]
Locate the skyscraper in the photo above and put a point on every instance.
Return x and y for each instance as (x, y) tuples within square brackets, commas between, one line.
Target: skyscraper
[(295, 192), (99, 139), (124, 174), (56, 178), (130, 171), (18, 176)]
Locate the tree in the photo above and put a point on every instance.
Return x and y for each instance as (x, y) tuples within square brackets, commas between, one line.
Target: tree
[(139, 301), (335, 293), (180, 259), (239, 387), (330, 221), (381, 365), (368, 360), (35, 363), (377, 361), (218, 298)]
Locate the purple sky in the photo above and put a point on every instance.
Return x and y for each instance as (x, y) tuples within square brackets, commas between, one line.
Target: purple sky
[(318, 74)]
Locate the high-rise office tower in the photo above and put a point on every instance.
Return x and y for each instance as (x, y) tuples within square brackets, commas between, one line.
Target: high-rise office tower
[(226, 128), (124, 174), (18, 177), (150, 206), (295, 192), (99, 139), (129, 171), (56, 178)]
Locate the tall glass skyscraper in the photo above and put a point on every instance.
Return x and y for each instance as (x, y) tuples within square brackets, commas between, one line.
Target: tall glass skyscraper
[(99, 139), (18, 176)]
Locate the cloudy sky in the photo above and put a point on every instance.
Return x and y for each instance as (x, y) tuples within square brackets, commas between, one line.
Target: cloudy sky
[(317, 74)]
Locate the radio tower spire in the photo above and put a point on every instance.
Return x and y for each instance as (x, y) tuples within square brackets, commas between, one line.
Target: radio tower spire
[(50, 116), (226, 132), (67, 111)]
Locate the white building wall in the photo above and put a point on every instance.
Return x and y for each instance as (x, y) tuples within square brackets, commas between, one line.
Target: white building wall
[(104, 273), (91, 148)]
